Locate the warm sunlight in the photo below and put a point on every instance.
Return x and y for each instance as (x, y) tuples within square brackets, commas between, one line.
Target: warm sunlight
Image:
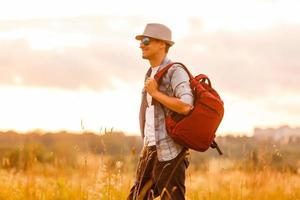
[(72, 77), (24, 108), (41, 39), (62, 62)]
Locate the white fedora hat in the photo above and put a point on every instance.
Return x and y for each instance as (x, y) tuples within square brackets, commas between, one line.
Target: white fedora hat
[(157, 31)]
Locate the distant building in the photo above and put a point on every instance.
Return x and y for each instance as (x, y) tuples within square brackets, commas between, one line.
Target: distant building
[(283, 134)]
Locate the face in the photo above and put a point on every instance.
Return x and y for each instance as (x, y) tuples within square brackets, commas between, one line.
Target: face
[(151, 47)]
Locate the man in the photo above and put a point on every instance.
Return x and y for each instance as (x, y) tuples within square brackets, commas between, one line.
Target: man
[(162, 165)]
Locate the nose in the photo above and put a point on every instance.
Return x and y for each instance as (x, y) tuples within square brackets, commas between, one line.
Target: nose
[(142, 45)]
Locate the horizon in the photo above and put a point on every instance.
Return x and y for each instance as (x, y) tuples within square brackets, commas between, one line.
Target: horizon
[(111, 130), (62, 65)]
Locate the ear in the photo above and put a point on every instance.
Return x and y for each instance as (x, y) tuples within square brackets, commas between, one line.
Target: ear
[(162, 44)]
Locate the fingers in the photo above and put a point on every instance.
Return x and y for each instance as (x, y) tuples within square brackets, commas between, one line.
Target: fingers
[(148, 81), (150, 85)]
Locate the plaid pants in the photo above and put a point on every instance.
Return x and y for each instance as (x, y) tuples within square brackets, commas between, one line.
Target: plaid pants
[(154, 178)]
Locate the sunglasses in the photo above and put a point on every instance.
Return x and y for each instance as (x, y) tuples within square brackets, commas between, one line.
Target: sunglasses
[(146, 41)]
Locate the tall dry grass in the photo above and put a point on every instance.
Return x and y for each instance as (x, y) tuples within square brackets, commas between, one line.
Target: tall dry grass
[(104, 178), (94, 167), (220, 182)]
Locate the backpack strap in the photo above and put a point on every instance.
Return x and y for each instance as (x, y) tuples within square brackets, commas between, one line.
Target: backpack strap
[(193, 80), (158, 76), (203, 78), (214, 145), (162, 72)]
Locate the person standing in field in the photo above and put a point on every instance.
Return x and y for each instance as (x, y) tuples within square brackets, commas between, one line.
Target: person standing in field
[(163, 162)]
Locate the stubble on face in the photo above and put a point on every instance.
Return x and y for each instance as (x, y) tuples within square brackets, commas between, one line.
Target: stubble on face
[(146, 54), (151, 50)]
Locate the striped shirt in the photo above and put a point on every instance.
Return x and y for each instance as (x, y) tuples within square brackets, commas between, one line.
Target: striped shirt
[(174, 83)]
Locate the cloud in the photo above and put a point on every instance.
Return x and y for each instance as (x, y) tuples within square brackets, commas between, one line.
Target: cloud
[(108, 55), (71, 68), (248, 63)]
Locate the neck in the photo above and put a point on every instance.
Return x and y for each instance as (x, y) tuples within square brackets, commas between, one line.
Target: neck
[(157, 60)]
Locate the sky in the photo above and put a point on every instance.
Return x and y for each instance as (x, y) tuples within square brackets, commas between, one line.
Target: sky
[(64, 64)]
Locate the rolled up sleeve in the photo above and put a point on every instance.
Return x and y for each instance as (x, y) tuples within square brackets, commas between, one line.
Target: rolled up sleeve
[(181, 86)]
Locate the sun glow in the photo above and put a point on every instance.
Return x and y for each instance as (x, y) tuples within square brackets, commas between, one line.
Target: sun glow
[(25, 108)]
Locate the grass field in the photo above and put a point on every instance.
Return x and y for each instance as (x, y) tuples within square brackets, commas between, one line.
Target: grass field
[(99, 177)]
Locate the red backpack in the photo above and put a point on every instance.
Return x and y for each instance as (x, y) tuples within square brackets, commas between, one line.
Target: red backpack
[(197, 129)]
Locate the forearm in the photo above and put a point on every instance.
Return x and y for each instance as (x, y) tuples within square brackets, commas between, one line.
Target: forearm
[(173, 103)]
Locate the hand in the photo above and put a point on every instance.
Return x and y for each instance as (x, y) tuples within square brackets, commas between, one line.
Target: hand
[(151, 86)]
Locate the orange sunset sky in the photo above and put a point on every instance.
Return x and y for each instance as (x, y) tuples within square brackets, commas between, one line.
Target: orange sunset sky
[(65, 61)]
